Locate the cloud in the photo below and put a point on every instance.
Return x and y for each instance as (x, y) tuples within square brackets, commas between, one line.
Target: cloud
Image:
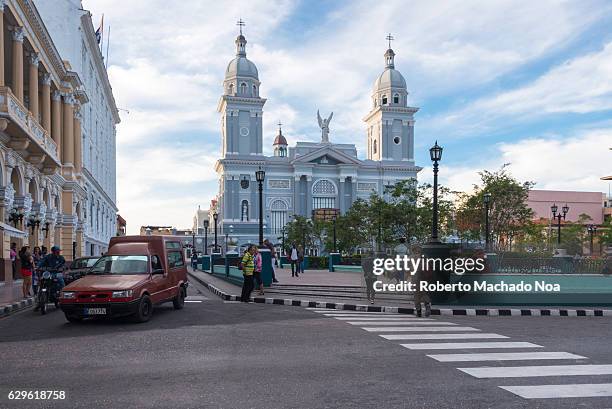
[(578, 86)]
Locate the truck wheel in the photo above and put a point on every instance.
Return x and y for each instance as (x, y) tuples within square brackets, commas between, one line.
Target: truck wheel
[(179, 300), (73, 319), (145, 309)]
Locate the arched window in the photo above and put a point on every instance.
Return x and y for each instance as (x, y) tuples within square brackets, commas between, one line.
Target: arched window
[(384, 100), (244, 211), (278, 215), (243, 88), (230, 89), (254, 91), (323, 195), (396, 99), (374, 148)]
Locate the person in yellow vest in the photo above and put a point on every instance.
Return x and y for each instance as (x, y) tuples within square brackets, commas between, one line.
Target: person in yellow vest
[(248, 266)]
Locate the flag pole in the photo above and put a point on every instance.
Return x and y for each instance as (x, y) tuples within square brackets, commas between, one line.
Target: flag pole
[(107, 45)]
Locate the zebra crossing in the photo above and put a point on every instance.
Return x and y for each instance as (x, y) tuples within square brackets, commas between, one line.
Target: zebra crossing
[(448, 342)]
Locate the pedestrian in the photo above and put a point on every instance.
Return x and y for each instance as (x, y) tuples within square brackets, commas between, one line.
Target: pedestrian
[(293, 258), (421, 296), (248, 266), (194, 260), (43, 251), (37, 257), (27, 264), (301, 259), (13, 256), (257, 262), (273, 260), (367, 265)]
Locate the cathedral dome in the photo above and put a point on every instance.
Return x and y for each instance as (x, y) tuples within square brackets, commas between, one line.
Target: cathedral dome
[(241, 67), (390, 78)]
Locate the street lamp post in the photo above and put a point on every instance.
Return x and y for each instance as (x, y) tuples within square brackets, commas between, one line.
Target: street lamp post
[(260, 175), (487, 200), (206, 224), (216, 219), (554, 208), (592, 229), (435, 152), (193, 244)]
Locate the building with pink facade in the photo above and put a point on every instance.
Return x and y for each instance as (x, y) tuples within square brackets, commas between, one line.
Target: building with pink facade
[(590, 203)]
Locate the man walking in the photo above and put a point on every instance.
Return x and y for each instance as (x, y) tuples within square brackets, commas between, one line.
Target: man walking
[(293, 257)]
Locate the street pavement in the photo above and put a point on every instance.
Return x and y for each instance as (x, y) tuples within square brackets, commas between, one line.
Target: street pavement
[(216, 354)]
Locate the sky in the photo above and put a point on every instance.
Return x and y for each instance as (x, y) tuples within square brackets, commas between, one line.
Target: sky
[(528, 83)]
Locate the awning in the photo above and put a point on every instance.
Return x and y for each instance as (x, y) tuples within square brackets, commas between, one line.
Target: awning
[(12, 231)]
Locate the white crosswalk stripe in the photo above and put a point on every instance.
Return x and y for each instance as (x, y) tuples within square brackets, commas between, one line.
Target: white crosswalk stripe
[(418, 329), (442, 336), (368, 315), (504, 356), (384, 318), (589, 390), (383, 322), (537, 370), (471, 345)]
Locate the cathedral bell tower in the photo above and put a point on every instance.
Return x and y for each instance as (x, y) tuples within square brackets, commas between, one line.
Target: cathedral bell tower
[(390, 122), (240, 106)]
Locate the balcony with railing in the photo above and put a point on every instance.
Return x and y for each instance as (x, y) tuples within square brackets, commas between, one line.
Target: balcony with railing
[(28, 137)]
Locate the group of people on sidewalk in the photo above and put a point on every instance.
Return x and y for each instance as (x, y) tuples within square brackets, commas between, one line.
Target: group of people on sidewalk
[(33, 263), (251, 266)]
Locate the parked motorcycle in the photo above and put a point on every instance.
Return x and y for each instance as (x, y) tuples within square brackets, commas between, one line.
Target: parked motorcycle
[(48, 291)]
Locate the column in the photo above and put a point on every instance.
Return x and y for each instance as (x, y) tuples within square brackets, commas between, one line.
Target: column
[(341, 197), (18, 63), (68, 134), (46, 102), (67, 236), (34, 61), (2, 4), (56, 120), (308, 197), (78, 142)]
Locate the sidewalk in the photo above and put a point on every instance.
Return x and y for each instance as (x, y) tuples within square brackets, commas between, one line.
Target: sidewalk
[(11, 298), (231, 292)]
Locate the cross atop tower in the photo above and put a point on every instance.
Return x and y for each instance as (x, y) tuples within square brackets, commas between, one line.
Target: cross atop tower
[(241, 24), (390, 38), (279, 124)]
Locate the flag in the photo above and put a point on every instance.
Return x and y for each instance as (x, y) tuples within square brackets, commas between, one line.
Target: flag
[(100, 30)]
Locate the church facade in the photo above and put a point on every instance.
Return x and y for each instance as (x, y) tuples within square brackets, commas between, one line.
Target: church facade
[(308, 176)]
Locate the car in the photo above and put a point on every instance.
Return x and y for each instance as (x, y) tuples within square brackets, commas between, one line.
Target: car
[(78, 268), (136, 274)]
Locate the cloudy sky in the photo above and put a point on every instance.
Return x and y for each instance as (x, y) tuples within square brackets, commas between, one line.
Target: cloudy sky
[(522, 82)]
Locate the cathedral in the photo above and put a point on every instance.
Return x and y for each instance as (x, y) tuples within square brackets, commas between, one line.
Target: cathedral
[(310, 177)]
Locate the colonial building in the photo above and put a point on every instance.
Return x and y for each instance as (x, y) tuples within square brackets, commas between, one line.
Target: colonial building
[(308, 176), (42, 194), (73, 33)]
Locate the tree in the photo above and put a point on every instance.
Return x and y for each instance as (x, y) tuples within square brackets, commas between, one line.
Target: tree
[(300, 232), (509, 214)]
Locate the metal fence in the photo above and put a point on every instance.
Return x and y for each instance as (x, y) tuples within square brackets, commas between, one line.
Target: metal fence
[(544, 265)]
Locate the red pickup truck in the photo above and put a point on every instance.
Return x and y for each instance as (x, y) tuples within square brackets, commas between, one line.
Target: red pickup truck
[(137, 273)]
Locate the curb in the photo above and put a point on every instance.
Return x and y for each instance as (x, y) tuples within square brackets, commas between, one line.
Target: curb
[(490, 312), (8, 309)]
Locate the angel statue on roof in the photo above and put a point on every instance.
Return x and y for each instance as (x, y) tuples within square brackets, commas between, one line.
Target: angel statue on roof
[(324, 125)]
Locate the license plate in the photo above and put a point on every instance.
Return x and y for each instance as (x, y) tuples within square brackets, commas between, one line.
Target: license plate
[(95, 311)]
